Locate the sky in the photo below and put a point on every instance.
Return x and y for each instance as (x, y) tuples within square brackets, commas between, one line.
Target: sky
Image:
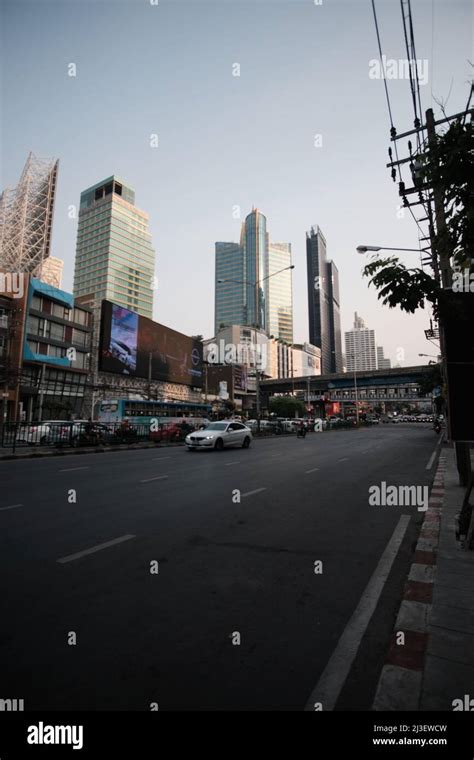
[(145, 67)]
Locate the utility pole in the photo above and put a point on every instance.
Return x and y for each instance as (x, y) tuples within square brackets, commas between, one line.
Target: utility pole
[(440, 248), (443, 255)]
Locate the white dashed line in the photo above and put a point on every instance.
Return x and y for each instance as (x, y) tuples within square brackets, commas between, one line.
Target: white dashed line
[(159, 459), (72, 469), (250, 493), (11, 506), (344, 459), (315, 469), (158, 477), (94, 549), (228, 464)]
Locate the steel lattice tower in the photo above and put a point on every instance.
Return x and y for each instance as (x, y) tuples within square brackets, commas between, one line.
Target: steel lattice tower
[(26, 216)]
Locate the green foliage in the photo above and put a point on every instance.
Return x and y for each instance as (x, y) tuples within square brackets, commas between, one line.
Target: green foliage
[(447, 163), (400, 286), (286, 406)]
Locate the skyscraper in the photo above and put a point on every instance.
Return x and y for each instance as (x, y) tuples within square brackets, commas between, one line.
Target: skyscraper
[(334, 317), (255, 248), (279, 292), (383, 362), (248, 290), (114, 255), (26, 217), (361, 347), (323, 302), (229, 293)]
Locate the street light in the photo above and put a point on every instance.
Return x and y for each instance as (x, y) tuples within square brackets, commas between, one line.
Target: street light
[(256, 285), (367, 248), (432, 356)]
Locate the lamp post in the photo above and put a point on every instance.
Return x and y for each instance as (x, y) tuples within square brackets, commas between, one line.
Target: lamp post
[(369, 248), (256, 286)]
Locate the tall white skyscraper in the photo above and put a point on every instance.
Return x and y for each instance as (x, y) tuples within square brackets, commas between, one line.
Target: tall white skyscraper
[(361, 347)]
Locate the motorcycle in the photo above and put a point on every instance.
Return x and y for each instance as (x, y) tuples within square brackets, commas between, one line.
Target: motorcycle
[(301, 432)]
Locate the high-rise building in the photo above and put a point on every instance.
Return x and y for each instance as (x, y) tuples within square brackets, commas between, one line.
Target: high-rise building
[(26, 217), (278, 292), (254, 241), (51, 271), (229, 291), (334, 317), (361, 347), (248, 289), (115, 259), (382, 361), (323, 302)]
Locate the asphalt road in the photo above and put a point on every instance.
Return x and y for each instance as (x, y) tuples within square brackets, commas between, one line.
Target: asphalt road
[(225, 568)]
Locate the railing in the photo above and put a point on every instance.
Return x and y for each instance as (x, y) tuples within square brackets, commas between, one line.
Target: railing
[(78, 434)]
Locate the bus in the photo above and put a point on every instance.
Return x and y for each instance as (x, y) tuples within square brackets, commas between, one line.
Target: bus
[(138, 412)]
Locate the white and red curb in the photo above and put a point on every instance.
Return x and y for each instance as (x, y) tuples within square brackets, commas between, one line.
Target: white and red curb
[(399, 686)]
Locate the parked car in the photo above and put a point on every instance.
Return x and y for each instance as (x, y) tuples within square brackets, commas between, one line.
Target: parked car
[(220, 435), (37, 432)]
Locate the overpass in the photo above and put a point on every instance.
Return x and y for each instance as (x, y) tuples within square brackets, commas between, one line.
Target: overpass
[(373, 386)]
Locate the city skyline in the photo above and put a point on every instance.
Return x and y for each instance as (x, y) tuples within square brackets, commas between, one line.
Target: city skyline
[(195, 113)]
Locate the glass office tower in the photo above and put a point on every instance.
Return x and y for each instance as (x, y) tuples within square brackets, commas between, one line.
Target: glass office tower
[(230, 289), (255, 240), (114, 255), (279, 292)]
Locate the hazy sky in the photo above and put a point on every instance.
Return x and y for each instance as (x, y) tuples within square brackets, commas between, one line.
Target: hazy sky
[(227, 141)]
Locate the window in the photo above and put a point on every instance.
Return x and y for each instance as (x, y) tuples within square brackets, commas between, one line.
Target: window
[(36, 303), (58, 310), (56, 331)]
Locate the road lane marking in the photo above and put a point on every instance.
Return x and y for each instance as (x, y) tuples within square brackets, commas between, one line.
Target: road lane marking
[(10, 506), (95, 549), (158, 477), (315, 469), (250, 493), (433, 456), (334, 675), (159, 459), (228, 464), (344, 459), (71, 469)]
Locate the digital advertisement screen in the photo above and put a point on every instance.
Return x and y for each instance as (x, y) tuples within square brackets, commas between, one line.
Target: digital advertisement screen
[(136, 346)]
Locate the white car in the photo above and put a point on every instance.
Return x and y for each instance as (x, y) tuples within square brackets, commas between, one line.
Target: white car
[(220, 435), (36, 432)]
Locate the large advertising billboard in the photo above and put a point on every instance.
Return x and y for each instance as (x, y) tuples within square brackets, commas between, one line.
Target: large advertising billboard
[(136, 346)]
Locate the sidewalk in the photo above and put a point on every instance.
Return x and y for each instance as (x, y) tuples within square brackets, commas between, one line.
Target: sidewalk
[(430, 662)]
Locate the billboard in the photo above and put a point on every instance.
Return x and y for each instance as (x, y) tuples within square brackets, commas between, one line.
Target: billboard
[(138, 347)]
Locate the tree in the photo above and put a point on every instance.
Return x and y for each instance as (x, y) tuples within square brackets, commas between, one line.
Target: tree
[(448, 163), (286, 406)]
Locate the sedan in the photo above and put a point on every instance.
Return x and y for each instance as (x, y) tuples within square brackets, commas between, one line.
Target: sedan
[(220, 435)]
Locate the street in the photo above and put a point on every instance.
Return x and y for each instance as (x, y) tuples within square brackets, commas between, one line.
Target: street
[(236, 615)]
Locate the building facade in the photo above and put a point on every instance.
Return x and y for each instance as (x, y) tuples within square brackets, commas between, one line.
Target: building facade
[(383, 362), (323, 302), (279, 292), (335, 335), (115, 259), (51, 271), (360, 347), (248, 289), (229, 290), (46, 342)]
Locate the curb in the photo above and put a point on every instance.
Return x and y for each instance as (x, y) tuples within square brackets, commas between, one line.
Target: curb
[(399, 686), (75, 452)]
